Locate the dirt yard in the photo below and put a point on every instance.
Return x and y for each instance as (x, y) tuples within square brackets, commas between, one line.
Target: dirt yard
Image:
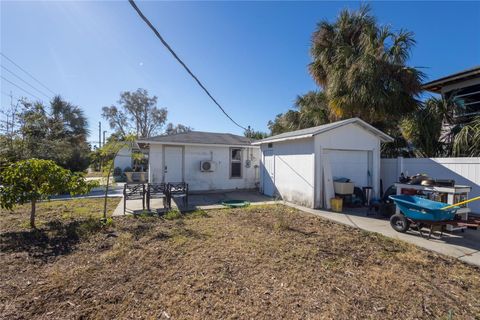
[(269, 262)]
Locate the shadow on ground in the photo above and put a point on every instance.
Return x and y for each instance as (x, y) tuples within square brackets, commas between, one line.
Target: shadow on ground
[(56, 238)]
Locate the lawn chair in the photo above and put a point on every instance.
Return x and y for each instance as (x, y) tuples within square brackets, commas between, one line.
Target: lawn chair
[(177, 190), (133, 192), (157, 191)]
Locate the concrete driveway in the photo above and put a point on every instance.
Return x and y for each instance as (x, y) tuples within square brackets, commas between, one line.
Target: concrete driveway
[(461, 245)]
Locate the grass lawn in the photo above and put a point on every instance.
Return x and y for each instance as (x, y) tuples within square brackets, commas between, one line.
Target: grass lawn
[(268, 262)]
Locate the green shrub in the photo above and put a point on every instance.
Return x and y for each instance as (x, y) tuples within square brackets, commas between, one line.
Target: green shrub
[(173, 214), (198, 214), (32, 180), (117, 172)]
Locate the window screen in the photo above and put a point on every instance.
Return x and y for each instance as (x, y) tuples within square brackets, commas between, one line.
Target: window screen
[(235, 163)]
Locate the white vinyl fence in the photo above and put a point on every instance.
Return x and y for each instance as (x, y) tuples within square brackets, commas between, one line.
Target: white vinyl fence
[(465, 171)]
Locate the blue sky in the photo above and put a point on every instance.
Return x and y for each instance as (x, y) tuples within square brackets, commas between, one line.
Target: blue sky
[(252, 56)]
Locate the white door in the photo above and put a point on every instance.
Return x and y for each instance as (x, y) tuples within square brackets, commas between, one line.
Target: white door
[(173, 168), (268, 173), (351, 164)]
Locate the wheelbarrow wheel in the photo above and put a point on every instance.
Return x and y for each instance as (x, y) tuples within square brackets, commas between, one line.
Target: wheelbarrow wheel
[(399, 222)]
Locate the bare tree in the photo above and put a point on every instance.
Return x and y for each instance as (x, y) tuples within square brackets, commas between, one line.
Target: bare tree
[(137, 113)]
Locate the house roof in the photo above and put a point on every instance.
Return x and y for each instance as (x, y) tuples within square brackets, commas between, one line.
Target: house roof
[(199, 137), (310, 132), (438, 84)]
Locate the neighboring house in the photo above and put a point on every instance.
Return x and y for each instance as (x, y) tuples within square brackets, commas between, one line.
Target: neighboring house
[(204, 160), (464, 87), (123, 159), (298, 166)]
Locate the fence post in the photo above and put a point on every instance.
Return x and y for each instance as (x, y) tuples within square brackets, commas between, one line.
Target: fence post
[(399, 166)]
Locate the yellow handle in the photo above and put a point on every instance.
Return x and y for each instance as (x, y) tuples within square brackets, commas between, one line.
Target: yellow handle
[(459, 203)]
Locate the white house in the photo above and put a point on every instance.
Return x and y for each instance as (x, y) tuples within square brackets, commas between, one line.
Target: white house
[(299, 166), (204, 160), (123, 159)]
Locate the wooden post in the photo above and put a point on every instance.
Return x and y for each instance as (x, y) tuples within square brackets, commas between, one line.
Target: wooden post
[(32, 214)]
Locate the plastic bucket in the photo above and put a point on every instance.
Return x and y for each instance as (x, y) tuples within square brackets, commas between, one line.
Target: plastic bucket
[(336, 204)]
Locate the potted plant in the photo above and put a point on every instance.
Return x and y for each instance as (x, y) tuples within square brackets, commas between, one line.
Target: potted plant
[(137, 175)]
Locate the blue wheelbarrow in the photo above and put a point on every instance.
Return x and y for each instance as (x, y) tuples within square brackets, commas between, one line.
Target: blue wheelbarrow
[(418, 212)]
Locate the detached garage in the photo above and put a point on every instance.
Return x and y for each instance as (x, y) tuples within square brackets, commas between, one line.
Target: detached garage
[(299, 166)]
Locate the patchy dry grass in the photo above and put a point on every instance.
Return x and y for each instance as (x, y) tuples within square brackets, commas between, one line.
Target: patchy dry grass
[(256, 262), (56, 210)]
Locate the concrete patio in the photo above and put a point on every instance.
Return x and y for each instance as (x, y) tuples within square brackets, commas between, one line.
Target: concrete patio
[(205, 201)]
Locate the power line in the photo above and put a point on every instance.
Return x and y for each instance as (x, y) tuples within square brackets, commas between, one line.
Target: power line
[(180, 60), (29, 93), (29, 74), (20, 78)]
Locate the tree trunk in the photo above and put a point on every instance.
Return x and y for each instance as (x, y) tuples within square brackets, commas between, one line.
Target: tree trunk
[(32, 214), (107, 187)]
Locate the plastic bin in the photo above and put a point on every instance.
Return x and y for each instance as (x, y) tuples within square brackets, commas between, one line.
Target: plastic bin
[(343, 188), (336, 204)]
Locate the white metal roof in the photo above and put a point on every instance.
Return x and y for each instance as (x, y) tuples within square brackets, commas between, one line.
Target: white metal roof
[(310, 132)]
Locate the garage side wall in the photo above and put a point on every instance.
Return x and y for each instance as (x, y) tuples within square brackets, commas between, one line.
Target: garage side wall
[(350, 137), (294, 172)]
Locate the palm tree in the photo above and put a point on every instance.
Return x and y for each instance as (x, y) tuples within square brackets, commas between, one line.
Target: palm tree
[(361, 67), (432, 128), (467, 141), (423, 129)]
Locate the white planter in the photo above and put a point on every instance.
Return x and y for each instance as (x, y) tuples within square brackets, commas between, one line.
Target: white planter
[(136, 177)]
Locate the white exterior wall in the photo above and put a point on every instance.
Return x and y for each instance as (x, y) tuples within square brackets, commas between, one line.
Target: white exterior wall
[(203, 181), (349, 137), (123, 159), (294, 170), (465, 171)]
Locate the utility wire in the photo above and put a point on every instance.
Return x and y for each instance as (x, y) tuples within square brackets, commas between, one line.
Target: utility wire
[(29, 74), (145, 19), (29, 93), (20, 78)]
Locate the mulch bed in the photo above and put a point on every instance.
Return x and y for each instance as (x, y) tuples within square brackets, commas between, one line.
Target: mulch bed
[(268, 262)]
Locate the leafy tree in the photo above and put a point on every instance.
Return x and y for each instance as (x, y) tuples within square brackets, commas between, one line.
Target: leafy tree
[(311, 111), (138, 113), (108, 153), (362, 69), (58, 132), (34, 179), (254, 135), (179, 128), (284, 122)]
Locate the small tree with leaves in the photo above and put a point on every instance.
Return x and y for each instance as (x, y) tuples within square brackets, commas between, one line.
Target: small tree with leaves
[(31, 180), (108, 153)]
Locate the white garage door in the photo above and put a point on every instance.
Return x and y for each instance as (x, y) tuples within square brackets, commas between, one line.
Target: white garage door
[(350, 164)]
